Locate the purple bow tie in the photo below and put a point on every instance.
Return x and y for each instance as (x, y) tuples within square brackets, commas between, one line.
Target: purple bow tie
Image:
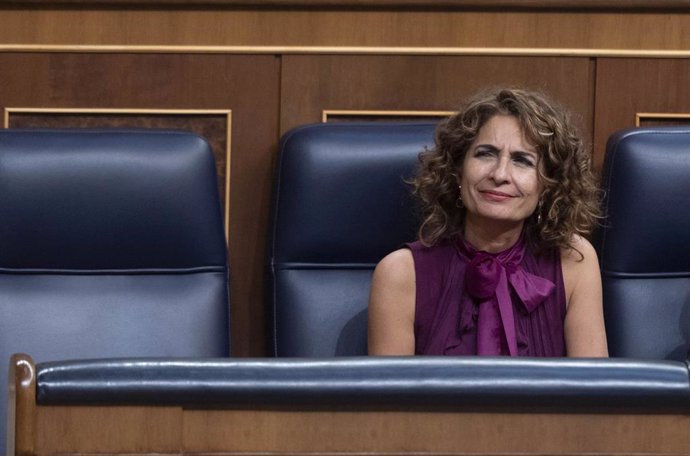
[(486, 279)]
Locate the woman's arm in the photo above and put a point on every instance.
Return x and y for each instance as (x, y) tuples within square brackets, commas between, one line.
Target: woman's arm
[(585, 335), (392, 305)]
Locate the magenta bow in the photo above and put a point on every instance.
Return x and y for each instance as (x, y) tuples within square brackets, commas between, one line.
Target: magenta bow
[(486, 279)]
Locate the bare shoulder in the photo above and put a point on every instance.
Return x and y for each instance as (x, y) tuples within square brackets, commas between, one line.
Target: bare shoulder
[(580, 253), (393, 283), (392, 305), (397, 268), (585, 334), (580, 268)]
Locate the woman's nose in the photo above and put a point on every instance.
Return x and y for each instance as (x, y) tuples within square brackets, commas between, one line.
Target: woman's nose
[(500, 172)]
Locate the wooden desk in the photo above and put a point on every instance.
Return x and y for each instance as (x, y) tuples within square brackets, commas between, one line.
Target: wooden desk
[(345, 430)]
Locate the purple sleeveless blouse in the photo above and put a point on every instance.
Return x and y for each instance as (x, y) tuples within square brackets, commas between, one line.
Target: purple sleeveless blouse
[(471, 302)]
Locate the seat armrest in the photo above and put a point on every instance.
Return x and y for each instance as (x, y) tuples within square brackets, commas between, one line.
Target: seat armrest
[(460, 383)]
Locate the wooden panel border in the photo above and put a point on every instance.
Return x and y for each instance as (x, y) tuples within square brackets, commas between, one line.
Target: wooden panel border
[(642, 116), (381, 113), (155, 112), (355, 50), (567, 5)]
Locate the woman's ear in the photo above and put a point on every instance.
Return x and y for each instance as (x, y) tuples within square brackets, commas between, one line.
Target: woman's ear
[(458, 175)]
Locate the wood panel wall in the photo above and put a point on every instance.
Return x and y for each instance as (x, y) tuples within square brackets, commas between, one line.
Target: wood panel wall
[(93, 24), (276, 64)]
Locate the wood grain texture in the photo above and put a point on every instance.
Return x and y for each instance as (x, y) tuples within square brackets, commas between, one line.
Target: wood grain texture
[(311, 84), (21, 406), (372, 4), (414, 432), (121, 430), (626, 87), (80, 430), (207, 26)]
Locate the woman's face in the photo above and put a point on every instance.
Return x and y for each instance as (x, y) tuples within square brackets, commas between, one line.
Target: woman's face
[(499, 177)]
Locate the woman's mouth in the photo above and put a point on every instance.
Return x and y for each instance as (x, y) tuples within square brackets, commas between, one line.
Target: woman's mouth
[(493, 195)]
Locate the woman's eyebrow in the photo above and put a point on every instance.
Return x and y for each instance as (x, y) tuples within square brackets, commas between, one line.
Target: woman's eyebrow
[(525, 152), (486, 146), (493, 148)]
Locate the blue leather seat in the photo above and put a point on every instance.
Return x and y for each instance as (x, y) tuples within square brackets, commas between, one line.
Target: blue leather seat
[(644, 245), (111, 245), (341, 204)]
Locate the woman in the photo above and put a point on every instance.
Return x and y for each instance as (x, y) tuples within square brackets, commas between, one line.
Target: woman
[(501, 266)]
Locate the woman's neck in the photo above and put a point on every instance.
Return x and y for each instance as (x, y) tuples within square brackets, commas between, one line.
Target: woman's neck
[(492, 237)]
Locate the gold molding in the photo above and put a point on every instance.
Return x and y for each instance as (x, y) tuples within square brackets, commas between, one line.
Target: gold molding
[(339, 50), (640, 116), (161, 112), (383, 113)]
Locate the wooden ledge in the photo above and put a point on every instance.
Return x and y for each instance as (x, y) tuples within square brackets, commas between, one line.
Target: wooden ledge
[(21, 410), (553, 5)]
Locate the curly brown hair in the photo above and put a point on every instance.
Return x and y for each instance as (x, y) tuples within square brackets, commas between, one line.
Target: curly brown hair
[(570, 199)]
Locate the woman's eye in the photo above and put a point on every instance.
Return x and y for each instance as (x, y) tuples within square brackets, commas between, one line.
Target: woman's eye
[(522, 160), (483, 153)]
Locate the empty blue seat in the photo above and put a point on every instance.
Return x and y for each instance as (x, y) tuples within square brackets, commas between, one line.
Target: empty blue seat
[(644, 243), (111, 244)]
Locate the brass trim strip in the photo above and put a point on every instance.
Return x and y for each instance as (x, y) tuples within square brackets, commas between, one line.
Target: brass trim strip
[(226, 112), (228, 168), (363, 50), (640, 116), (117, 111), (383, 113)]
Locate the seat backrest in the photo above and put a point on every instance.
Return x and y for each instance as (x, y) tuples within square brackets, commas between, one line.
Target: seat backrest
[(341, 203), (644, 245), (111, 244)]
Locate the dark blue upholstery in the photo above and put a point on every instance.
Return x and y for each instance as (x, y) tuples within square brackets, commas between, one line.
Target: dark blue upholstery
[(644, 246), (459, 383), (111, 244), (341, 204)]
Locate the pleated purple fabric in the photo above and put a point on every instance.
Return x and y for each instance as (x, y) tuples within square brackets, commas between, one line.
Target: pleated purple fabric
[(472, 302)]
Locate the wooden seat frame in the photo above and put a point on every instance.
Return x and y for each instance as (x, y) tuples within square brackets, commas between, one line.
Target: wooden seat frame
[(48, 430)]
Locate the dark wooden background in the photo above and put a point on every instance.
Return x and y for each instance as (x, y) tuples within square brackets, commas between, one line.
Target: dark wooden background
[(276, 64)]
